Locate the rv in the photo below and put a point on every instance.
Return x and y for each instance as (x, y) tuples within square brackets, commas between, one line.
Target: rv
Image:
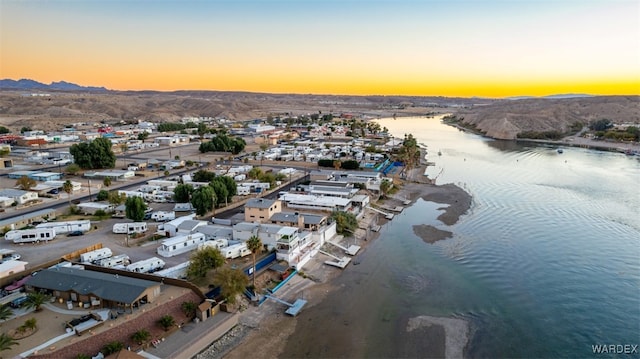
[(161, 216), (146, 266), (119, 260), (68, 226), (218, 243), (96, 255), (130, 228), (31, 235), (236, 250), (181, 244), (183, 207)]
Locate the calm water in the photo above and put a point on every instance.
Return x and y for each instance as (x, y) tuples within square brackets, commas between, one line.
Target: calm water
[(546, 264), (552, 244)]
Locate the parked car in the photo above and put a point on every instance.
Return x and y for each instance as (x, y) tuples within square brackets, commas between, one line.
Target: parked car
[(75, 234), (54, 191), (17, 303)]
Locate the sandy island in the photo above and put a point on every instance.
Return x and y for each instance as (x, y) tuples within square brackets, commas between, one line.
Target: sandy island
[(265, 331)]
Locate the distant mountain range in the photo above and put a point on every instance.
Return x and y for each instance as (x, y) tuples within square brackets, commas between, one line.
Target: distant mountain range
[(551, 97), (27, 84)]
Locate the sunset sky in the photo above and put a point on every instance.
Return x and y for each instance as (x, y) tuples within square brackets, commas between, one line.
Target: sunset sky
[(387, 47)]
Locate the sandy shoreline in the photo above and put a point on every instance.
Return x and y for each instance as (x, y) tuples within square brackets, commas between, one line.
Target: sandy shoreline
[(265, 331)]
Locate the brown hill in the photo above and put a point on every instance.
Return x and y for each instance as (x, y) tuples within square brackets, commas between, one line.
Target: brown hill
[(504, 119)]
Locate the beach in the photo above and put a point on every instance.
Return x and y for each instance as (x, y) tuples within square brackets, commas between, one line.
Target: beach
[(267, 332)]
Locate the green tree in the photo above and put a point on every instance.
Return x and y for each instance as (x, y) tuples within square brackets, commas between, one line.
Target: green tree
[(116, 198), (135, 208), (67, 186), (166, 322), (142, 136), (4, 152), (254, 173), (95, 154), (25, 183), (182, 193), (5, 312), (25, 129), (231, 282), (112, 348), (385, 186), (203, 260), (72, 169), (203, 176), (31, 324), (254, 244), (141, 336), (4, 130), (35, 300), (106, 181), (6, 342), (189, 309), (346, 223), (202, 199), (103, 195)]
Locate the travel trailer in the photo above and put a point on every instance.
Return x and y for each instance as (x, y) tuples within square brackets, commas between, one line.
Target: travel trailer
[(31, 235), (236, 250), (146, 266), (68, 226), (95, 255), (161, 216), (119, 260), (130, 228), (218, 243)]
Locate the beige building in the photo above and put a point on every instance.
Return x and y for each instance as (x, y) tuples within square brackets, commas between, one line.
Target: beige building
[(261, 209)]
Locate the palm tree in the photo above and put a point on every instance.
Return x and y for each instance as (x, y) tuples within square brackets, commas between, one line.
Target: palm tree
[(35, 300), (6, 342), (31, 323), (5, 312), (166, 322), (254, 244), (141, 336), (112, 347), (189, 308), (68, 188)]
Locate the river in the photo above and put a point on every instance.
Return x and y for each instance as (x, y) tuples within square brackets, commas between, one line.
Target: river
[(545, 264)]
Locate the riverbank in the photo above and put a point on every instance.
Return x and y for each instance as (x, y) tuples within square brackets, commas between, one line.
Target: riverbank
[(267, 332)]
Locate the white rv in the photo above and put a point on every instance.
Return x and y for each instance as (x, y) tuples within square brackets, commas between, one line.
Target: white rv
[(161, 216), (146, 266), (68, 226), (119, 260), (236, 250), (180, 244), (183, 207), (95, 255), (31, 235), (130, 228), (217, 243)]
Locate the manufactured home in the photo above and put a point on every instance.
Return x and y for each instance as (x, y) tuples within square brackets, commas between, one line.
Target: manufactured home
[(218, 243), (31, 235), (119, 260), (146, 266), (68, 226), (93, 256), (180, 244), (161, 216), (235, 251), (130, 228)]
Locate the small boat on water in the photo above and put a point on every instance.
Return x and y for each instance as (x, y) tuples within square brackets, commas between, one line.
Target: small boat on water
[(559, 150), (439, 153)]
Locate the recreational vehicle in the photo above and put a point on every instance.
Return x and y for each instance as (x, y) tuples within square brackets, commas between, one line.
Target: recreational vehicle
[(68, 226), (161, 216), (236, 250), (218, 243), (181, 244), (146, 266), (119, 260), (130, 228), (31, 235), (93, 256)]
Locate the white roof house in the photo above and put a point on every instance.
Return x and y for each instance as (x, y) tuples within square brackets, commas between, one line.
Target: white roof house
[(19, 196), (293, 200)]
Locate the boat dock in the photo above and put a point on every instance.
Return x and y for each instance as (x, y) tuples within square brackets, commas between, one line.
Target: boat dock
[(339, 262)]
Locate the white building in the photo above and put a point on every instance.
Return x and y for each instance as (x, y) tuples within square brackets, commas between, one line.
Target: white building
[(319, 203), (181, 244), (19, 196)]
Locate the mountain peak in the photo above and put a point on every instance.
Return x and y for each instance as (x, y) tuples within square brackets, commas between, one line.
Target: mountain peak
[(28, 84)]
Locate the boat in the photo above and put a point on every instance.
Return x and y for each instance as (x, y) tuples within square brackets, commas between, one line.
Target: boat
[(439, 153), (559, 150)]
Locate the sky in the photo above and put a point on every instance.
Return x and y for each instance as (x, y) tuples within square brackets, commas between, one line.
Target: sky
[(462, 48)]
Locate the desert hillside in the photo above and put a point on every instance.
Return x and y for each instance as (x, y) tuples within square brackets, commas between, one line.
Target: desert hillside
[(506, 118), (498, 118)]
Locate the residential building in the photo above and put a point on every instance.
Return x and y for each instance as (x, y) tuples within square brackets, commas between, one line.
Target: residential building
[(261, 209)]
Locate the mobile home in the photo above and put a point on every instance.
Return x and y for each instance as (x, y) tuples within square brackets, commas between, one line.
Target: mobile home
[(93, 256), (218, 243), (161, 216), (180, 244), (236, 250), (119, 260), (130, 228), (68, 226), (146, 266), (31, 235)]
